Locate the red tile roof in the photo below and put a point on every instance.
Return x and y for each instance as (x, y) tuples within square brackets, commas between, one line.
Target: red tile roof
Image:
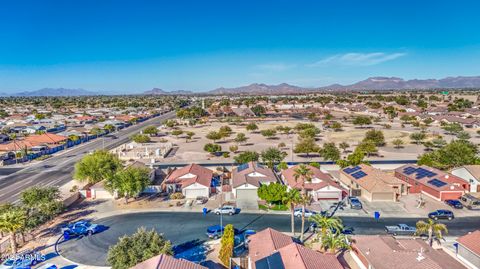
[(201, 176), (163, 261), (471, 241), (454, 183), (326, 180), (264, 243), (296, 256)]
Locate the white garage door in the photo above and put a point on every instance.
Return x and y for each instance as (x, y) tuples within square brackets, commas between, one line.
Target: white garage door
[(329, 195), (247, 199), (194, 193)]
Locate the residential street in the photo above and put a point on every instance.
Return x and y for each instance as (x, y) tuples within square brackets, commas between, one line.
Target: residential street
[(58, 169), (181, 228)]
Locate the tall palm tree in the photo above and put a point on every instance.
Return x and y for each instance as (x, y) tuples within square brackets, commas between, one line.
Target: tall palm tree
[(433, 229), (12, 220), (327, 224), (334, 242), (303, 174), (290, 199)]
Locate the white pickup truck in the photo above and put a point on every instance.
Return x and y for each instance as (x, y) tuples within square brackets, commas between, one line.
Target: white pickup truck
[(400, 229)]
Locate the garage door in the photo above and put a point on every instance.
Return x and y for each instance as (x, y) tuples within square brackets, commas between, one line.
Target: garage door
[(194, 193), (247, 199), (329, 195), (382, 196)]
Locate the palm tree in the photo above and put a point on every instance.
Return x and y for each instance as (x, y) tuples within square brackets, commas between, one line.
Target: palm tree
[(327, 224), (433, 229), (290, 199), (303, 173), (12, 220), (334, 242)]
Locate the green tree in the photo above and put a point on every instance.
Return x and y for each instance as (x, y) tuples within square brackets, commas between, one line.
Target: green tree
[(456, 153), (309, 133), (463, 135), (140, 246), (315, 164), (282, 166), (376, 136), (225, 131), (233, 148), (241, 138), (177, 132), (95, 131), (96, 167), (258, 110), (453, 128), (129, 182), (251, 127), (368, 147), (226, 245), (272, 193), (418, 137), (12, 221), (336, 126), (272, 156), (362, 120), (212, 148), (432, 229), (268, 133), (307, 146), (246, 156), (41, 204), (335, 242), (325, 224), (439, 142), (214, 136), (397, 143), (150, 130), (109, 128), (344, 146), (329, 151), (303, 174), (189, 136), (140, 138), (356, 158), (291, 198)]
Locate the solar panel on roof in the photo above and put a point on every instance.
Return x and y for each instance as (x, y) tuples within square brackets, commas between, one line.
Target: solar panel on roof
[(437, 183), (351, 169), (358, 174), (273, 261), (409, 170), (242, 167)]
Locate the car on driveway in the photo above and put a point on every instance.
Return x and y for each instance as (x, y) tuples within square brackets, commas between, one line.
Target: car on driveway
[(308, 213), (441, 214), (24, 259), (354, 202), (226, 209), (216, 231), (454, 203), (401, 229), (81, 228)]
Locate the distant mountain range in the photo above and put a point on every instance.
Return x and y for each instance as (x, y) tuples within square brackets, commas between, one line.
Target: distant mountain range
[(372, 83)]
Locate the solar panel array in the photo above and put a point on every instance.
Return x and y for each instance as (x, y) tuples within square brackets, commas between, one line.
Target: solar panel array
[(242, 167), (359, 174), (351, 169), (409, 170), (419, 172), (437, 183)]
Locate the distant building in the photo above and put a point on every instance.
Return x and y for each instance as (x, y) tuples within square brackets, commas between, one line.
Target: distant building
[(432, 182)]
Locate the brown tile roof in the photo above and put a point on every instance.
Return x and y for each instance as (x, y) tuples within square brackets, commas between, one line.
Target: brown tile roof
[(243, 176), (201, 174), (163, 261), (326, 180), (474, 170), (264, 243), (471, 241), (386, 252), (376, 180), (296, 256)]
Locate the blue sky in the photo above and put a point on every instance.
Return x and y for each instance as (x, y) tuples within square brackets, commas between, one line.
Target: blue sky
[(133, 46)]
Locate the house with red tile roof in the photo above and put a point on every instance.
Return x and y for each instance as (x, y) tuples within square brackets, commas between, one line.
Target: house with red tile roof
[(246, 179), (48, 139), (371, 183), (321, 186), (469, 249), (192, 180), (164, 261), (270, 249), (388, 252), (432, 182)]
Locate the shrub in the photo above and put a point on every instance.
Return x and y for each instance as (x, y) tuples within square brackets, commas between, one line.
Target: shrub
[(176, 196)]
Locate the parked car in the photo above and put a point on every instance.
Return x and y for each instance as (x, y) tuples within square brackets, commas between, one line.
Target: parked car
[(400, 229), (441, 214), (216, 231), (226, 209), (81, 228), (454, 203), (354, 202), (308, 213), (24, 259), (201, 200), (470, 201)]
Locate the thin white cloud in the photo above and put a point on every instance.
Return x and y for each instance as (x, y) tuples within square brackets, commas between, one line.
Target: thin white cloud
[(358, 59), (274, 67)]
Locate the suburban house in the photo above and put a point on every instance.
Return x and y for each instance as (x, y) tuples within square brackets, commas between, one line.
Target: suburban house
[(192, 181), (270, 249), (246, 179), (164, 261), (432, 182), (372, 184), (387, 252), (320, 187), (468, 249), (471, 174)]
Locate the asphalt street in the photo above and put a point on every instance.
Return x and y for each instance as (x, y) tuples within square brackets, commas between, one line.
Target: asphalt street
[(58, 170), (182, 228)]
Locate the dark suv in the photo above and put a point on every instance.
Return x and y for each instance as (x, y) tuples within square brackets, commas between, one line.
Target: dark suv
[(354, 203), (441, 214)]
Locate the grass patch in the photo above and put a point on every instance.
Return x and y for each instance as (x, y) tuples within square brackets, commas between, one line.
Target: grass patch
[(279, 207)]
